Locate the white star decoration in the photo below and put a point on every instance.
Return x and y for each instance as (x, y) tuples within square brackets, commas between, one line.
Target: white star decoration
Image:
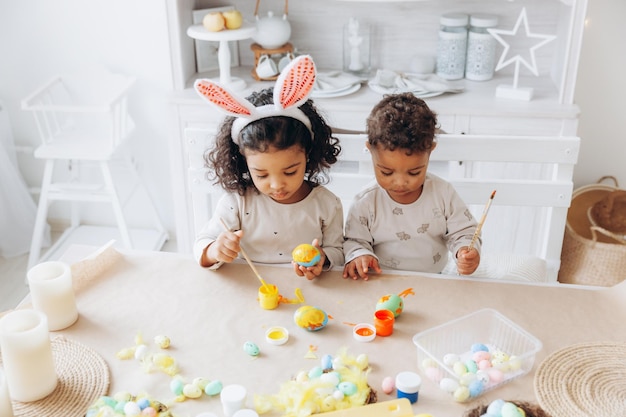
[(518, 59)]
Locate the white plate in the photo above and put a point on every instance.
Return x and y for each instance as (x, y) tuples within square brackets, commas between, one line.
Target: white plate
[(336, 93), (421, 94)]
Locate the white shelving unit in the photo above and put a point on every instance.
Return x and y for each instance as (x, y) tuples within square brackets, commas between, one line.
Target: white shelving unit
[(409, 28)]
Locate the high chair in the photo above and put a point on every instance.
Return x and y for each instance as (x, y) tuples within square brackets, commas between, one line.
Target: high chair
[(84, 123)]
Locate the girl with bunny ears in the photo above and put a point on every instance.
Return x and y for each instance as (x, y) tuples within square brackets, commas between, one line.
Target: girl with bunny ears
[(271, 155)]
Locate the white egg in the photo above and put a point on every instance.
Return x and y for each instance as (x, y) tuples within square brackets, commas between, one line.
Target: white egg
[(448, 384)]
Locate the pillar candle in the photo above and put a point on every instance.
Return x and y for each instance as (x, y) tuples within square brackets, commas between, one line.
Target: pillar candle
[(52, 293), (27, 355), (6, 408)]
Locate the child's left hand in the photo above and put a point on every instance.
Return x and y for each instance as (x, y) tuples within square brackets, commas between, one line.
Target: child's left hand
[(467, 260), (311, 272)]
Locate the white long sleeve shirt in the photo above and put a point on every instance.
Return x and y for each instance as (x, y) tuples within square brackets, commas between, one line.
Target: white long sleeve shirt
[(413, 237), (272, 230)]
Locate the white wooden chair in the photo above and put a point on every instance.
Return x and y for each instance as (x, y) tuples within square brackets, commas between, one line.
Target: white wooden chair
[(523, 233), (84, 122)]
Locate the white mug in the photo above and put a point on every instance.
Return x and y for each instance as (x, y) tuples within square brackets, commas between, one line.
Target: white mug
[(284, 61), (266, 68)]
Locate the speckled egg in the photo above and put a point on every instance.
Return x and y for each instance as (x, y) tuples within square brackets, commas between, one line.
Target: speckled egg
[(306, 255), (310, 318), (251, 348), (391, 302)]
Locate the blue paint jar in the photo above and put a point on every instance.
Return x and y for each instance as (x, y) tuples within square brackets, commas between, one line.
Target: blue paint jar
[(408, 385)]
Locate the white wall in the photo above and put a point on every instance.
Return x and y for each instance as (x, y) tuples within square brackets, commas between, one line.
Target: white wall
[(40, 38), (600, 93)]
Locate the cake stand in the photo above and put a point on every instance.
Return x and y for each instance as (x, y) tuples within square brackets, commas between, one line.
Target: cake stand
[(246, 31)]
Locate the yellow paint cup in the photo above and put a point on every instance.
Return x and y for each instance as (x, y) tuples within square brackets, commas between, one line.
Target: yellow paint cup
[(268, 296)]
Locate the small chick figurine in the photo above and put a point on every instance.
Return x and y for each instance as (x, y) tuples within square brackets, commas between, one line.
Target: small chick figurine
[(306, 255)]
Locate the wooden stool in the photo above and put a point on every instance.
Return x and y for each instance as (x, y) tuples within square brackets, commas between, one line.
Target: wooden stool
[(260, 51)]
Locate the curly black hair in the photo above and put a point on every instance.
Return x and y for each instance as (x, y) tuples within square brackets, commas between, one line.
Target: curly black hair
[(402, 121), (227, 164)]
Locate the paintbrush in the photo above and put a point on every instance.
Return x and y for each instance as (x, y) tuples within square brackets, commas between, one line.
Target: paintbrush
[(482, 221), (245, 255)]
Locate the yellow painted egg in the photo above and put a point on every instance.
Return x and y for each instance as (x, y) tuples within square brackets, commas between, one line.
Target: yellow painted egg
[(310, 318), (391, 302), (306, 255)]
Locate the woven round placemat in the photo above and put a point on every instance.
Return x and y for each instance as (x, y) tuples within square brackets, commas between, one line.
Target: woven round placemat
[(587, 379), (83, 377)]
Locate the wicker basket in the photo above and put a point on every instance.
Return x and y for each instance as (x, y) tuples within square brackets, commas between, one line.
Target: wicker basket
[(591, 255)]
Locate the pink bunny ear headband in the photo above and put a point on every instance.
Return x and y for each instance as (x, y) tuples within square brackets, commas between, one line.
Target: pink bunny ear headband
[(292, 89)]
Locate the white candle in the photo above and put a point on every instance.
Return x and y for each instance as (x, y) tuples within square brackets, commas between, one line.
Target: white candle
[(6, 408), (52, 292), (27, 355)]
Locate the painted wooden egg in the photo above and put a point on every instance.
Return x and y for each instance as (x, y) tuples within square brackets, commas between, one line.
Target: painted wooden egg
[(306, 255), (310, 318), (392, 302)]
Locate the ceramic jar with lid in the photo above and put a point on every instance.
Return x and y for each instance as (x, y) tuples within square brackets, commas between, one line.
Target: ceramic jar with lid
[(481, 48), (452, 45)]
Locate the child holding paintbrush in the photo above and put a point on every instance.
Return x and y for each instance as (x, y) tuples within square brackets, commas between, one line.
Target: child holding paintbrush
[(410, 219)]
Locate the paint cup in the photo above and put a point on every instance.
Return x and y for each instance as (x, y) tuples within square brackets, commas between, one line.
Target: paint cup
[(268, 296), (364, 332), (408, 385), (383, 322)]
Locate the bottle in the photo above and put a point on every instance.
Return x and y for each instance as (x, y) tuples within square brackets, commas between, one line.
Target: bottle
[(481, 48), (356, 47), (452, 45)]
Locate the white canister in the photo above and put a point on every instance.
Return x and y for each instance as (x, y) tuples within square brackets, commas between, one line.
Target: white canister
[(452, 45), (27, 355), (52, 293), (481, 48)]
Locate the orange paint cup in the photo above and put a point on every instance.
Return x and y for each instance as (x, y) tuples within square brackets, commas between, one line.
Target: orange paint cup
[(268, 296), (383, 322)]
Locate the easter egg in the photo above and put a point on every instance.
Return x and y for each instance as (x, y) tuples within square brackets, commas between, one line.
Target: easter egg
[(251, 349), (495, 407), (510, 410), (213, 387), (192, 391), (392, 302), (310, 318), (448, 384), (461, 394), (476, 388), (388, 385), (306, 255)]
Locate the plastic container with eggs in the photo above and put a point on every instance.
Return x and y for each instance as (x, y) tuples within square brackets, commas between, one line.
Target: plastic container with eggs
[(447, 354)]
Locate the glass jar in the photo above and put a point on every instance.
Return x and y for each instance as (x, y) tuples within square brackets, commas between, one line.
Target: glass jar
[(481, 48), (452, 45)]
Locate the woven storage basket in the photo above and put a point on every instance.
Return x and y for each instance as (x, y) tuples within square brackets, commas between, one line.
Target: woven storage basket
[(591, 255)]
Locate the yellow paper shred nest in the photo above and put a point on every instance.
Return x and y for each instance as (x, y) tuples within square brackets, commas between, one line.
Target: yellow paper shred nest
[(301, 398)]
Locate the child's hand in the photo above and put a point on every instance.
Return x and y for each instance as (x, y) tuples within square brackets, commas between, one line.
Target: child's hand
[(359, 266), (225, 248), (467, 260), (310, 272)]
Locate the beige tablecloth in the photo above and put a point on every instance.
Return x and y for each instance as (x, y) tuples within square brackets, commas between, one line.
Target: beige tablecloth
[(209, 315)]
